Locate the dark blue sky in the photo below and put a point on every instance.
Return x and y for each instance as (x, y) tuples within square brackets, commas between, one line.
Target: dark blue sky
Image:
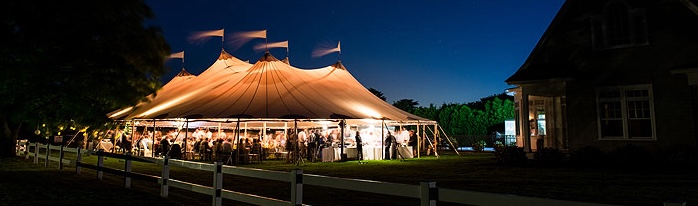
[(433, 52)]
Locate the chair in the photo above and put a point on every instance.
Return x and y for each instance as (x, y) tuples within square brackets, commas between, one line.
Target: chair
[(253, 158)]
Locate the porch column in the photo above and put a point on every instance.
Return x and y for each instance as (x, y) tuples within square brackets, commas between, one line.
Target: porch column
[(524, 123)]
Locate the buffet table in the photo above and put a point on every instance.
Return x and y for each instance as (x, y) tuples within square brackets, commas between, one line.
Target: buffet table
[(370, 153)]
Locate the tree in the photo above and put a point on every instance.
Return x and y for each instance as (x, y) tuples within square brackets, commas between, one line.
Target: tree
[(408, 105), (377, 93), (431, 112), (68, 63)]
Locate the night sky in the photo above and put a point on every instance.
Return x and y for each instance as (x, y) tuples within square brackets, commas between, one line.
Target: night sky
[(433, 52)]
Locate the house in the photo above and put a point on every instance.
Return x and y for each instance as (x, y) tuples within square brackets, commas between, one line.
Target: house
[(611, 73)]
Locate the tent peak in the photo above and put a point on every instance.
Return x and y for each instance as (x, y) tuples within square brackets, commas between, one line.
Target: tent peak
[(268, 57), (183, 73), (339, 65), (224, 55)]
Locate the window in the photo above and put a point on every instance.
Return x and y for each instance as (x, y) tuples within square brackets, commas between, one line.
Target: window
[(619, 26), (625, 113)]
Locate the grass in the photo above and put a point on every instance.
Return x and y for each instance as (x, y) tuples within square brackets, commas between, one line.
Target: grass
[(33, 184)]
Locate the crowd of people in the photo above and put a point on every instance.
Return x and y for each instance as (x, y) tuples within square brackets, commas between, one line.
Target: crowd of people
[(218, 145)]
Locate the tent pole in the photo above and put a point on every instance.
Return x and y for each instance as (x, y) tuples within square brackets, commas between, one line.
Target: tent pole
[(382, 138), (455, 147), (286, 136), (186, 135), (295, 142), (264, 129), (342, 156), (419, 141), (152, 153), (237, 140)]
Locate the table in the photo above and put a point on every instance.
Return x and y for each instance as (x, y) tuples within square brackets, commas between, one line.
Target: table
[(370, 153), (277, 155), (330, 154), (405, 152)]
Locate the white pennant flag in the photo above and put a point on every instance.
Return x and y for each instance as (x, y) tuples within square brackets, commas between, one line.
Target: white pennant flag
[(202, 36), (323, 52), (240, 38), (205, 34), (178, 55), (282, 44), (252, 34)]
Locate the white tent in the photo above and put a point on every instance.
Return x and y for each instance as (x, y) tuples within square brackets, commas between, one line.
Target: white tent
[(269, 89), (269, 94)]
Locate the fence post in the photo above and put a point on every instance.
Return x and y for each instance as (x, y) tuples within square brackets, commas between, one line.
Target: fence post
[(100, 164), (127, 169), (428, 193), (60, 158), (27, 149), (297, 187), (217, 183), (165, 176), (78, 161), (36, 153), (48, 153)]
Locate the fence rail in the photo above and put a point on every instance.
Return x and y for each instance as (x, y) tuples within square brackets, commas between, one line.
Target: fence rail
[(426, 192)]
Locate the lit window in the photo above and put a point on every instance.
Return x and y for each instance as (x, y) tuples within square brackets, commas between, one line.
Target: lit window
[(625, 112)]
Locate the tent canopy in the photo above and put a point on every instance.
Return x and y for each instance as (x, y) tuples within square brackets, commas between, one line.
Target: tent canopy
[(269, 89)]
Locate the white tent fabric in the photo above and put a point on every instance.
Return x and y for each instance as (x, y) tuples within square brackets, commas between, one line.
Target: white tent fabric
[(269, 89), (180, 79), (224, 69)]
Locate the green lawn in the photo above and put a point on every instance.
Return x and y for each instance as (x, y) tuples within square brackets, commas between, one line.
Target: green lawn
[(33, 184)]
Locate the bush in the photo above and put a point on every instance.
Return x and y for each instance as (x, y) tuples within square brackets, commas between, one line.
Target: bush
[(632, 156), (679, 156), (479, 145), (588, 156), (549, 156), (510, 155), (498, 144)]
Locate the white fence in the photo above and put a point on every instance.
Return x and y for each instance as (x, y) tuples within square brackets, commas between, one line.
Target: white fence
[(426, 192)]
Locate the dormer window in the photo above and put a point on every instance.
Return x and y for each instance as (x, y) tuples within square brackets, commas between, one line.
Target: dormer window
[(619, 26)]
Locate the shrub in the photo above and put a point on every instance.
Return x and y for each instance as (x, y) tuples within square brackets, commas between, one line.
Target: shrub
[(549, 156), (498, 144), (479, 145), (632, 156), (588, 156), (510, 155), (679, 156)]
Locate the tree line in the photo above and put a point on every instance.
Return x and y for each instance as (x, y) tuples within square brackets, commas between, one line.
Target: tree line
[(481, 117)]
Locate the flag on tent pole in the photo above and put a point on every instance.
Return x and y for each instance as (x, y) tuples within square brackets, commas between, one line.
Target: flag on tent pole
[(252, 34), (323, 52), (240, 38), (282, 44), (202, 36), (178, 55)]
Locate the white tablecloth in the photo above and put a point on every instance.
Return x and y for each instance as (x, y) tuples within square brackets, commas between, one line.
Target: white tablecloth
[(330, 154), (406, 152), (370, 153)]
